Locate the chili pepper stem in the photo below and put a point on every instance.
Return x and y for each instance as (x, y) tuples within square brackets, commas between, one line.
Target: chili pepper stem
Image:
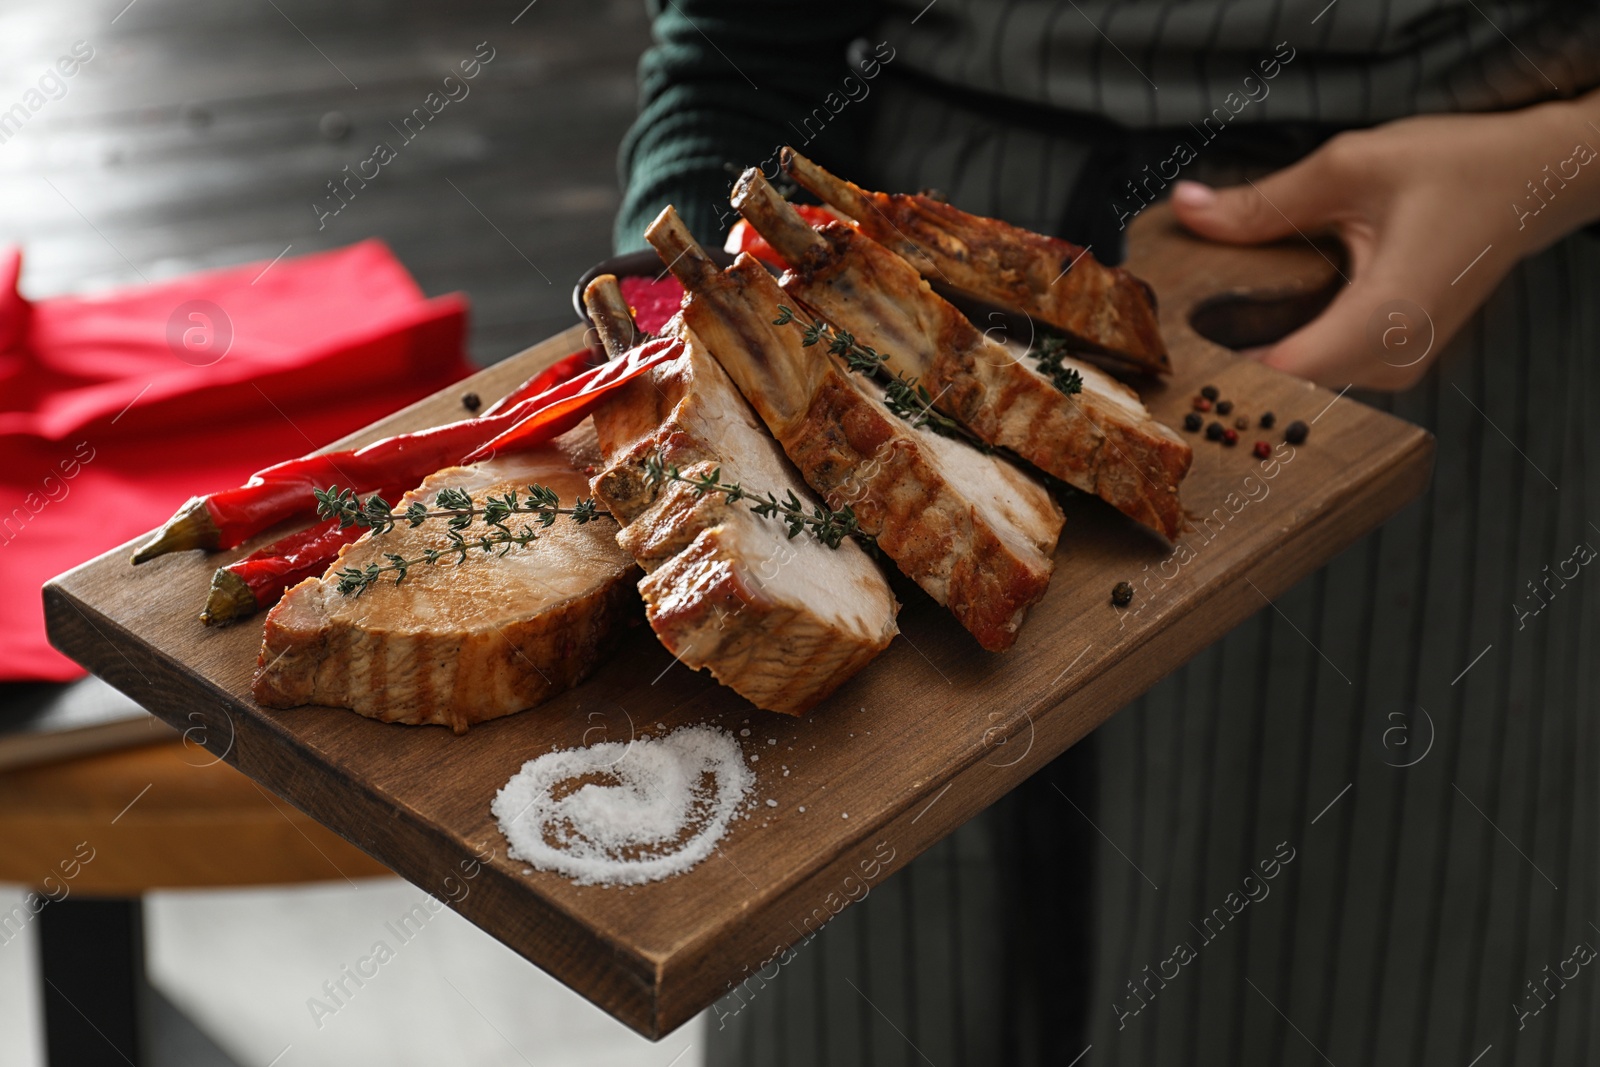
[(191, 527), (230, 598)]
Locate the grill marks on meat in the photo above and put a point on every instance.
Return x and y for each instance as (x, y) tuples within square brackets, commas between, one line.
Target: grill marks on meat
[(456, 645), (781, 621), (1100, 440), (1051, 280), (972, 530)]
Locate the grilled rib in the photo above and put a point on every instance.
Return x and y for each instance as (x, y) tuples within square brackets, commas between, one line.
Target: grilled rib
[(456, 645), (971, 529), (1100, 440), (781, 621), (1050, 280), (612, 317)]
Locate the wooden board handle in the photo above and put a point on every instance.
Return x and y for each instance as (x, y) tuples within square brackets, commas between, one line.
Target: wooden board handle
[(1230, 296)]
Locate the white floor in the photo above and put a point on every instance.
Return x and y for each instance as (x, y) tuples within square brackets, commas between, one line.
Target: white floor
[(244, 965), (20, 1019)]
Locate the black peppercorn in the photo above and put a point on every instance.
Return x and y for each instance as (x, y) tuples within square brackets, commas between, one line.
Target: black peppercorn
[(1122, 594), (470, 401), (1267, 420), (1224, 407), (1214, 432), (1296, 432), (1210, 392), (1192, 422)]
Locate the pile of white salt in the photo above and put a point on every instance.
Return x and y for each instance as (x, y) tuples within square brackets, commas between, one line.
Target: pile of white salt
[(625, 813)]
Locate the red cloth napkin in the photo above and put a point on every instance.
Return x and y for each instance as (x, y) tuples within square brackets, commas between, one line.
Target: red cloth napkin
[(114, 409)]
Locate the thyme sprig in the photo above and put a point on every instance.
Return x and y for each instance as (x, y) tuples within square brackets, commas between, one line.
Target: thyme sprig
[(357, 580), (909, 399), (456, 505), (458, 508), (906, 398), (1050, 350), (830, 526)]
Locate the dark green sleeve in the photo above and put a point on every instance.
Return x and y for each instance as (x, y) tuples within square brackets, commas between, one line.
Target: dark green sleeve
[(728, 82)]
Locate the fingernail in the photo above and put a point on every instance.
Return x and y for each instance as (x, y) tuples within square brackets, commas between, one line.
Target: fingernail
[(1193, 194)]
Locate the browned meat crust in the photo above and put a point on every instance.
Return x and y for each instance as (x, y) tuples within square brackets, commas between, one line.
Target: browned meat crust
[(455, 645), (781, 621), (974, 531), (722, 604), (1100, 440), (1054, 281)]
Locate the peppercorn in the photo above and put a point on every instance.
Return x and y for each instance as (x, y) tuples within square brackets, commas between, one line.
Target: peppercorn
[(1192, 422), (1241, 423), (1263, 450), (1202, 404), (1230, 437), (1214, 432), (1296, 432), (1210, 392), (1224, 407), (470, 401), (1267, 420), (1122, 594)]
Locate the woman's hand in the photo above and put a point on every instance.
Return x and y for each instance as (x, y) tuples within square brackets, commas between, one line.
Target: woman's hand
[(1433, 210)]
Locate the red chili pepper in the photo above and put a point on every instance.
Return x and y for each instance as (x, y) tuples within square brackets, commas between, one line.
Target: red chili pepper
[(744, 238), (261, 578), (562, 370), (282, 491), (563, 407), (248, 585)]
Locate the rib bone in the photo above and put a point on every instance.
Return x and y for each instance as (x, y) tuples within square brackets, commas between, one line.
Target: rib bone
[(1100, 440), (1046, 278), (781, 621), (972, 530), (611, 315)]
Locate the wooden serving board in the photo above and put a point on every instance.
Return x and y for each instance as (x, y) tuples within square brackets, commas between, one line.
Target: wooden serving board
[(921, 740)]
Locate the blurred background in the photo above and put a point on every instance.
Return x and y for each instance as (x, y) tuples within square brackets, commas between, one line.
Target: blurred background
[(200, 135)]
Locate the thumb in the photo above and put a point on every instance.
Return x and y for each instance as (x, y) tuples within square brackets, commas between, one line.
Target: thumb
[(1290, 201), (1340, 347)]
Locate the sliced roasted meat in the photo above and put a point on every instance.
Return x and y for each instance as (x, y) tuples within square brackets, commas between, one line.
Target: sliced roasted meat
[(456, 644), (783, 621), (1051, 280), (1099, 439), (973, 530)]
